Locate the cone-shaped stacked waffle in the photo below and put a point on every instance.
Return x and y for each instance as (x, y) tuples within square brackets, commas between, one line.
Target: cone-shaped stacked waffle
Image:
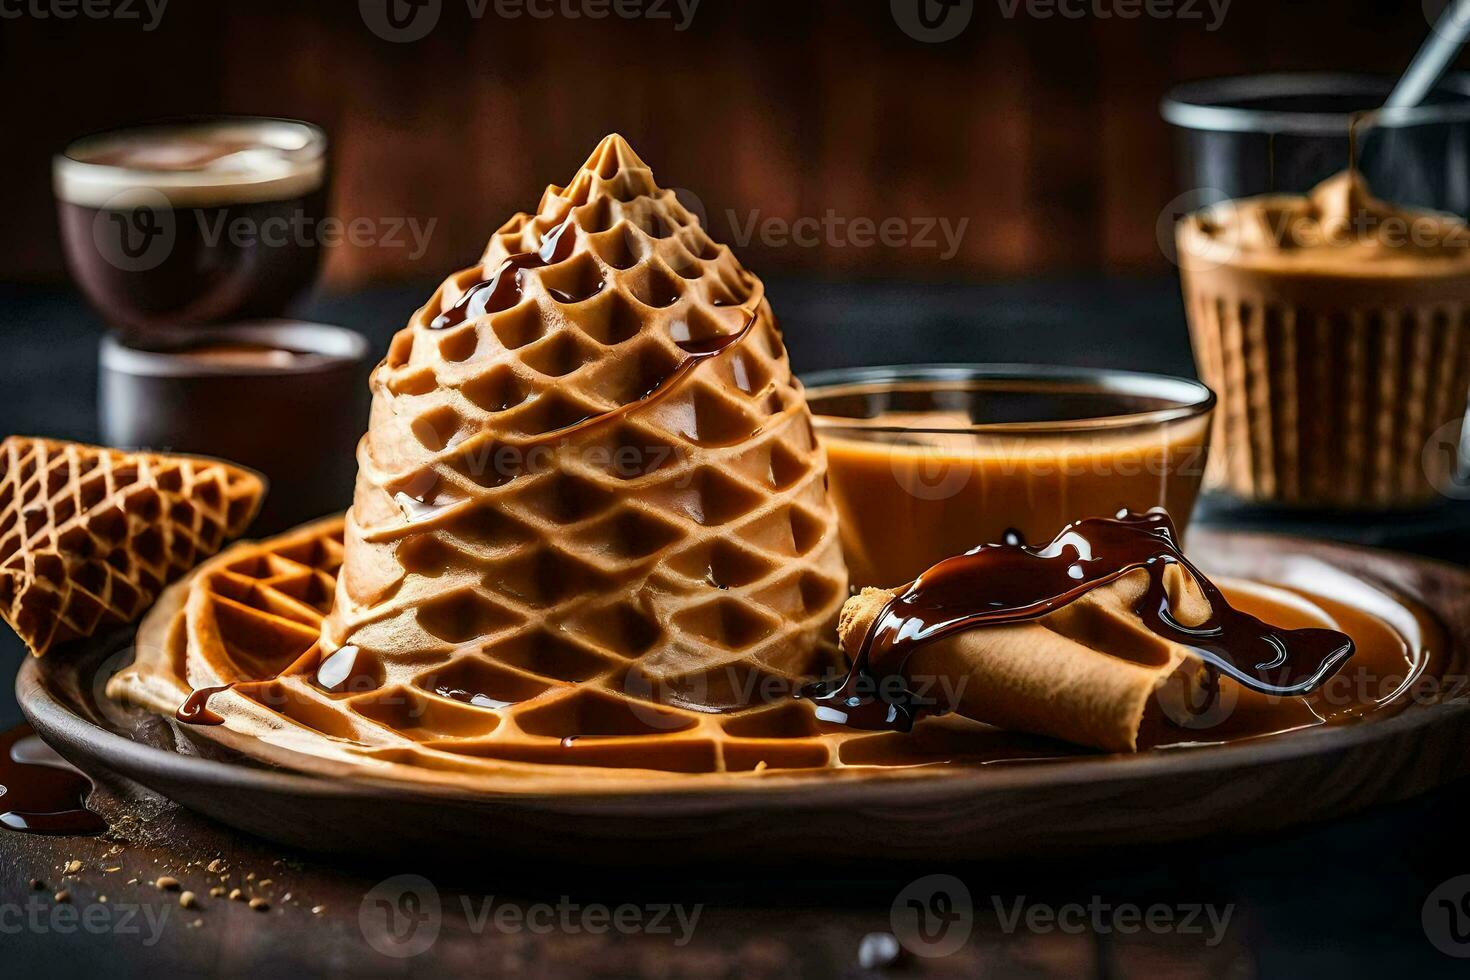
[(590, 529), (90, 536), (589, 454)]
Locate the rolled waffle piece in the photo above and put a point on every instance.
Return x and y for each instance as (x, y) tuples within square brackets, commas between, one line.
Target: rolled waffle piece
[(1090, 673), (89, 536), (588, 458)]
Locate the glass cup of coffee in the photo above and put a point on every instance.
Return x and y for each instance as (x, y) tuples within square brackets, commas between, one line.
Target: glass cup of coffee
[(194, 223), (929, 461)]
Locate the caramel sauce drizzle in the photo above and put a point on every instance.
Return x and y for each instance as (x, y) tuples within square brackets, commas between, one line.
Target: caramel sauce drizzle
[(42, 799), (196, 711), (1011, 583)]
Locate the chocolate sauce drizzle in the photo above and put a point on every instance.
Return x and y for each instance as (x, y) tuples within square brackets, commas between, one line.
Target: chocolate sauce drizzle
[(1009, 583), (42, 799), (696, 351), (501, 292), (503, 289)]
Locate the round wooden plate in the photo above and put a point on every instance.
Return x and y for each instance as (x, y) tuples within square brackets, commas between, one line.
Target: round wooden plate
[(948, 813)]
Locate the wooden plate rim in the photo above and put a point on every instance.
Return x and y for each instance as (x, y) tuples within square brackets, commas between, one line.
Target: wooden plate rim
[(67, 730)]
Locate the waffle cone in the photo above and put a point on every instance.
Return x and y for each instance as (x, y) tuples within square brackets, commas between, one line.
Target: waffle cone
[(90, 536), (587, 457), (1328, 399), (1334, 328), (590, 532)]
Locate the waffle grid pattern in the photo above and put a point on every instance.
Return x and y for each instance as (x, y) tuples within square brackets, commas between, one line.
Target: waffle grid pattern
[(259, 607), (557, 488), (90, 536)]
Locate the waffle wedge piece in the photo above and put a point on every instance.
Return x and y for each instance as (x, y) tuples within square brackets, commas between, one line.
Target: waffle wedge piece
[(89, 536)]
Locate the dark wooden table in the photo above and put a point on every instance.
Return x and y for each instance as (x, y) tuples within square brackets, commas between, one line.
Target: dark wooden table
[(1343, 899)]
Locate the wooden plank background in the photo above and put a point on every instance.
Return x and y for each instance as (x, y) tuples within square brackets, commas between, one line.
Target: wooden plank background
[(1044, 133)]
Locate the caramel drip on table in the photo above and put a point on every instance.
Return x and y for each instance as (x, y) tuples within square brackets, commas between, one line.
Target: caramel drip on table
[(1011, 583), (42, 799)]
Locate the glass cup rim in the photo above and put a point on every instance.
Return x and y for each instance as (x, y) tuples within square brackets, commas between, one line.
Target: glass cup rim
[(77, 180), (315, 144), (1192, 398), (1197, 105)]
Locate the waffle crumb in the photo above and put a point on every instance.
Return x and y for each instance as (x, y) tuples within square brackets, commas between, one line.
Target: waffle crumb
[(217, 866), (72, 867)]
